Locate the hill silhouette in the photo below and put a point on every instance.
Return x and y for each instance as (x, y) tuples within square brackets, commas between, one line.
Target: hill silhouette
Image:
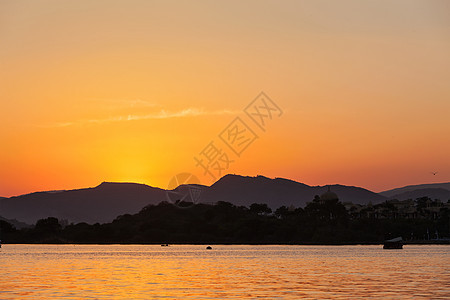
[(433, 193), (15, 223), (99, 204), (245, 190), (409, 188), (108, 200)]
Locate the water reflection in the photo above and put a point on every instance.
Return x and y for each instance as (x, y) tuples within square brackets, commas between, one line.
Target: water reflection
[(190, 271)]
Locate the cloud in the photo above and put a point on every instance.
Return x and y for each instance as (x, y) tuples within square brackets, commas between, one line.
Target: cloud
[(162, 114), (189, 112), (112, 103)]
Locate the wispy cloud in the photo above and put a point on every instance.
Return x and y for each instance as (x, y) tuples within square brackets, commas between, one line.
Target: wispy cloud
[(162, 114), (123, 103)]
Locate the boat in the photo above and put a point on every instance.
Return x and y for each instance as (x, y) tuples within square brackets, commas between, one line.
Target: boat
[(395, 243)]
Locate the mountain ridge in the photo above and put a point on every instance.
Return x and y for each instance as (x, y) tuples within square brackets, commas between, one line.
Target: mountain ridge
[(433, 193), (104, 202), (95, 204), (395, 191)]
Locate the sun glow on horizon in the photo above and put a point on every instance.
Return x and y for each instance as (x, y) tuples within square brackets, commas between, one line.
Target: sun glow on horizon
[(107, 91)]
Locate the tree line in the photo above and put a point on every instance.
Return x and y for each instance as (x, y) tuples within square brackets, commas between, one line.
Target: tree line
[(320, 222)]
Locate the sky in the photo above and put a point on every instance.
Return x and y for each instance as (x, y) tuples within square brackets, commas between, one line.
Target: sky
[(355, 92)]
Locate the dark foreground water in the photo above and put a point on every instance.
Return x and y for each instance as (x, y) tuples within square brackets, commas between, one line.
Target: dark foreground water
[(191, 272)]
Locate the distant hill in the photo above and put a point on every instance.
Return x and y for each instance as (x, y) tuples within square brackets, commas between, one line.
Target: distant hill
[(99, 204), (433, 193), (16, 224), (397, 191), (241, 190), (108, 200)]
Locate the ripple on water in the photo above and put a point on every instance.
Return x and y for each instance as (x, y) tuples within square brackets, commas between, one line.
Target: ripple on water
[(187, 271)]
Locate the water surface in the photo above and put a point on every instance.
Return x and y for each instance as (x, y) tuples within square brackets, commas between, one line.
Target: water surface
[(192, 272)]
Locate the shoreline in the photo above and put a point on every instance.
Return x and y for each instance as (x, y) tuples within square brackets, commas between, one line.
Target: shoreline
[(425, 242)]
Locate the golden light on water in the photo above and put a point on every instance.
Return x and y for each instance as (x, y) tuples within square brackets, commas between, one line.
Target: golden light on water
[(244, 272)]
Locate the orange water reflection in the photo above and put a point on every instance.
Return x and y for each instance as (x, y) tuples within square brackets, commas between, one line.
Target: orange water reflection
[(189, 271)]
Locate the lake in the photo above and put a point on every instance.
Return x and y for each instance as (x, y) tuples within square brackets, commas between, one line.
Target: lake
[(226, 271)]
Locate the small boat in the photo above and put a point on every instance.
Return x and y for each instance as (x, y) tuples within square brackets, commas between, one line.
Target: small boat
[(396, 243), (164, 245)]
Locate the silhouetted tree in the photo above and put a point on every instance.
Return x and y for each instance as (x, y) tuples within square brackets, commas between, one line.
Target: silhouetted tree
[(48, 225), (326, 210), (6, 227), (260, 208), (281, 212)]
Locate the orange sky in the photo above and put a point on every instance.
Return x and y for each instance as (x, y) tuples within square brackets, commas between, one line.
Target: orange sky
[(94, 91)]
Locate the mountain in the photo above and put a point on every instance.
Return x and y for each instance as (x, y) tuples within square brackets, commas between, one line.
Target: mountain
[(108, 200), (99, 204), (15, 223), (433, 193), (241, 190), (397, 191)]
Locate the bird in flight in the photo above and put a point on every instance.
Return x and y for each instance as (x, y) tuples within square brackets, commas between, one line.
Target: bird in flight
[(434, 173)]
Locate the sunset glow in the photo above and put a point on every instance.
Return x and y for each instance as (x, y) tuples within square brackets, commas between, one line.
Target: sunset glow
[(132, 91)]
